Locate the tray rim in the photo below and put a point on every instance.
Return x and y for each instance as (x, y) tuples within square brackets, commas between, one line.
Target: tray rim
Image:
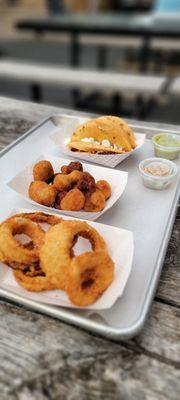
[(81, 321)]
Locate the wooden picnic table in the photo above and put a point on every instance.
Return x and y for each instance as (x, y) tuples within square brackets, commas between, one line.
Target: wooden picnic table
[(146, 26), (44, 358)]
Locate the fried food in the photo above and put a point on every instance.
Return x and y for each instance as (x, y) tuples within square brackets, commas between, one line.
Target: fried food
[(73, 201), (57, 173), (64, 182), (63, 192), (42, 193), (89, 275), (93, 148), (33, 270), (86, 182), (48, 262), (13, 251), (43, 171), (105, 188), (59, 197), (95, 201), (3, 259), (61, 182), (56, 252), (39, 217), (36, 283), (107, 134), (73, 166)]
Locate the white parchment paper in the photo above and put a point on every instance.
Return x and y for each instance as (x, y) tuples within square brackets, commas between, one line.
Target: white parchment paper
[(117, 179), (120, 247)]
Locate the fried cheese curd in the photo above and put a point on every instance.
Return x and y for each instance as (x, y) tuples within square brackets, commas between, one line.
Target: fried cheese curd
[(69, 190), (73, 166), (105, 188), (73, 201), (86, 182), (59, 197), (95, 201), (42, 193), (64, 182), (43, 171)]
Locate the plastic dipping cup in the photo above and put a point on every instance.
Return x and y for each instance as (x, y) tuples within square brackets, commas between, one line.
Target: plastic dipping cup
[(155, 181), (166, 145)]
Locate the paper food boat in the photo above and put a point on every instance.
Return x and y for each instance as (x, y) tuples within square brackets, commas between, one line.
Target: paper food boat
[(64, 133), (117, 179), (120, 247)]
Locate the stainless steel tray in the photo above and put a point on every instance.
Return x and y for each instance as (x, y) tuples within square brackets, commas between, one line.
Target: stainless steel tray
[(149, 214)]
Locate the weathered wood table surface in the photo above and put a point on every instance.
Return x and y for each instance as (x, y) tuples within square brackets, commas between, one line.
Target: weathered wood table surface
[(43, 358)]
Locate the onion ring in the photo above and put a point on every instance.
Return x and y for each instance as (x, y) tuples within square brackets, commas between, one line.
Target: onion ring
[(3, 258), (39, 217), (11, 249), (89, 275), (56, 252), (32, 283), (16, 265)]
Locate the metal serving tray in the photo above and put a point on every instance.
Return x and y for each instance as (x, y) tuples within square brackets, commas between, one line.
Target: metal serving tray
[(148, 213)]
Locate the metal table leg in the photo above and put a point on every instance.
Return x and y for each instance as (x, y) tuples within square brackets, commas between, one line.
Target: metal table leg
[(74, 50), (36, 93), (144, 54), (102, 57), (74, 62)]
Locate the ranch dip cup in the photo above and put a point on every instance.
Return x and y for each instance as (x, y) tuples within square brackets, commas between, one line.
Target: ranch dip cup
[(157, 173)]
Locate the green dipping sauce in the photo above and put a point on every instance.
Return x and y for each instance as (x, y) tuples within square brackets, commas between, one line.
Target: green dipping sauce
[(165, 140), (166, 145)]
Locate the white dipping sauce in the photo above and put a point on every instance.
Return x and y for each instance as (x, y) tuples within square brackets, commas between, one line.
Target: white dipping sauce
[(157, 169), (157, 173)]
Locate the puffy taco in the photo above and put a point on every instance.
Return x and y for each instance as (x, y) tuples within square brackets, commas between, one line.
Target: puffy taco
[(103, 135)]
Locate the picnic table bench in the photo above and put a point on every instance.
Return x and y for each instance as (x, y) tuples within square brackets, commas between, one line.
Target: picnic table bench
[(145, 87), (43, 358)]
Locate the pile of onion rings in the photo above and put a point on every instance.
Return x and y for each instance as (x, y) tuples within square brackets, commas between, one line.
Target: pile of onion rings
[(70, 188), (47, 260)]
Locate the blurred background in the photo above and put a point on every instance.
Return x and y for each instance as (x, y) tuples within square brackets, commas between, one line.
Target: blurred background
[(101, 56)]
